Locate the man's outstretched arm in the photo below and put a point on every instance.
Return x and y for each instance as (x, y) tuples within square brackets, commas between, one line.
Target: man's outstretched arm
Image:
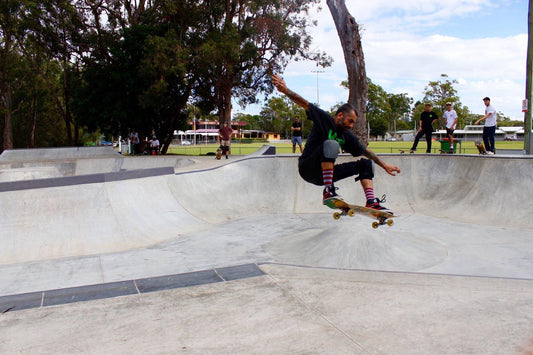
[(390, 169), (279, 83)]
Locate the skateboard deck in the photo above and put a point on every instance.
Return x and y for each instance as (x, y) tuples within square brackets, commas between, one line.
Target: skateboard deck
[(402, 151), (480, 147), (382, 217), (219, 154)]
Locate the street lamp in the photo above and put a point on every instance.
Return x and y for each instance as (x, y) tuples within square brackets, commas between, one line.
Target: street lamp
[(317, 87)]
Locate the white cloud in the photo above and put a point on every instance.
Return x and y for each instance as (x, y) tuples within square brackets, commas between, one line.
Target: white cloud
[(401, 59)]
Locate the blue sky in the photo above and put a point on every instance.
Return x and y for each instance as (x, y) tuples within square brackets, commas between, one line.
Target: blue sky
[(407, 43)]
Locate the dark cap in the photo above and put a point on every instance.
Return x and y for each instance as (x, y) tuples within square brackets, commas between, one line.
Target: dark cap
[(486, 98)]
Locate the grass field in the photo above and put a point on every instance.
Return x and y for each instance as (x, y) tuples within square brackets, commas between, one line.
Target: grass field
[(467, 147)]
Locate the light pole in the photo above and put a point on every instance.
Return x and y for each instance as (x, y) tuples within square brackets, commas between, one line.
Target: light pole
[(317, 87), (528, 137)]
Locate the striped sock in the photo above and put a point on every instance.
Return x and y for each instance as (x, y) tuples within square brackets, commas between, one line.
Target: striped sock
[(327, 176), (369, 193)]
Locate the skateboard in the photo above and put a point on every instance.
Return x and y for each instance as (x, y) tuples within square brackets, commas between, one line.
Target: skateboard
[(403, 151), (351, 210), (219, 154), (481, 148), (451, 151)]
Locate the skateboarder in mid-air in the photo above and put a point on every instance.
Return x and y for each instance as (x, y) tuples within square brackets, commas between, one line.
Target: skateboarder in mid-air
[(328, 135)]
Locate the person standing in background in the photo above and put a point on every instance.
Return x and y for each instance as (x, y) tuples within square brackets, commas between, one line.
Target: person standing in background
[(427, 118), (489, 130), (296, 131)]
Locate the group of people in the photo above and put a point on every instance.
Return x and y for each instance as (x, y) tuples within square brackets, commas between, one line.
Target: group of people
[(152, 144), (428, 117), (329, 135)]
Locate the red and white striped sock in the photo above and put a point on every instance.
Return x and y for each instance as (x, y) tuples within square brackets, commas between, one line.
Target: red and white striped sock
[(369, 193), (327, 176)]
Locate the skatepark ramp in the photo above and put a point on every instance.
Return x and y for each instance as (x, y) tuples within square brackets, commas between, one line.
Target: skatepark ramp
[(263, 197)]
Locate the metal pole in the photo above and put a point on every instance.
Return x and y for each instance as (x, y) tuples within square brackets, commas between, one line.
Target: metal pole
[(317, 87), (528, 139)]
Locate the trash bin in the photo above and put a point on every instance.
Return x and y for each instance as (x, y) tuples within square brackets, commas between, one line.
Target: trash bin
[(445, 145)]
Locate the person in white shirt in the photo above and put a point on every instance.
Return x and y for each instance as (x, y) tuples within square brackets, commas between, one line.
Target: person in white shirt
[(489, 130), (451, 122), (154, 145)]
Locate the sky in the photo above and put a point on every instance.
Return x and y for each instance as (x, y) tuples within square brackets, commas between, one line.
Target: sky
[(408, 43)]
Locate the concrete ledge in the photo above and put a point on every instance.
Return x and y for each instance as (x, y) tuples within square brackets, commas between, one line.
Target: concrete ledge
[(123, 288), (44, 154), (83, 179)]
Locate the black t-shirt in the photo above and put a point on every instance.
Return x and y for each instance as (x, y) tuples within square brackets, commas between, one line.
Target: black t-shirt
[(324, 128), (297, 133), (427, 118)]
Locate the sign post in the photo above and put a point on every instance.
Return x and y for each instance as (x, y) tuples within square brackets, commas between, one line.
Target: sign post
[(528, 139)]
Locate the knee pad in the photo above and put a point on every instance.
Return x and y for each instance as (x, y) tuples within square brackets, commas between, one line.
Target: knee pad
[(331, 149), (365, 169)]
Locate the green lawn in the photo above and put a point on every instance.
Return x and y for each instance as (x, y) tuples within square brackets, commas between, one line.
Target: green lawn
[(467, 147)]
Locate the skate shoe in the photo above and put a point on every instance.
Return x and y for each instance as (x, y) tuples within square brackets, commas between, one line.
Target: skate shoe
[(375, 204), (330, 192)]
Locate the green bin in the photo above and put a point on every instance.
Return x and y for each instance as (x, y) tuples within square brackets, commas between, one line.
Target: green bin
[(445, 145)]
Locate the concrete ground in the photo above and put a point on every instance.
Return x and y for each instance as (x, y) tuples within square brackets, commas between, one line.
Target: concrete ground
[(239, 256)]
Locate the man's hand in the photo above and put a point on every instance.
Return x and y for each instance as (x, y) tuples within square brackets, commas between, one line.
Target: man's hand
[(391, 169), (279, 83)]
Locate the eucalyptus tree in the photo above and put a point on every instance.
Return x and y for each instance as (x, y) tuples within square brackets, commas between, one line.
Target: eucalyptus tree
[(245, 43)]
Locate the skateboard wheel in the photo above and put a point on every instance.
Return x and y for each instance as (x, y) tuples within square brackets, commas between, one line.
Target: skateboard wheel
[(351, 213), (375, 225), (390, 222), (336, 215)]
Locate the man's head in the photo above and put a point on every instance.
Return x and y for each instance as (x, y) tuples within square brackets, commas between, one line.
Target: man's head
[(486, 100), (427, 107), (448, 106), (297, 119), (345, 117)]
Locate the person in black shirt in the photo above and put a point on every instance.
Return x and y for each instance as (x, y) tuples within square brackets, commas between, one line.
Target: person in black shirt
[(296, 130), (328, 135), (427, 118)]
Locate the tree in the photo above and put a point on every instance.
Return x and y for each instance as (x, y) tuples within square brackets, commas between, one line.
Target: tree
[(245, 42), (399, 105), (278, 113), (52, 31), (145, 75), (384, 109), (9, 24), (348, 31)]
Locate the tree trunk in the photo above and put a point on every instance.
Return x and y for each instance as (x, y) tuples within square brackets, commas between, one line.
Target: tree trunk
[(348, 31), (7, 135), (33, 121), (224, 103), (67, 117)]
